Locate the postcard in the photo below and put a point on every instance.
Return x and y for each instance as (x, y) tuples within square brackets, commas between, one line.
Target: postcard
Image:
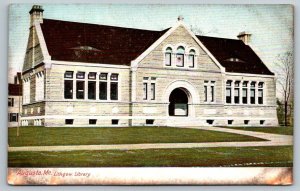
[(115, 94)]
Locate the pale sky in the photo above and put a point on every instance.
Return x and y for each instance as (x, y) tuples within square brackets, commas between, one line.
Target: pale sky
[(271, 26)]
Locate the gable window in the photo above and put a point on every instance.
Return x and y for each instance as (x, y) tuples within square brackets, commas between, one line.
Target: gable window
[(237, 92), (252, 92), (168, 57), (92, 85), (180, 56), (103, 86), (114, 87), (260, 92), (68, 85), (192, 58), (10, 102), (245, 93), (228, 91)]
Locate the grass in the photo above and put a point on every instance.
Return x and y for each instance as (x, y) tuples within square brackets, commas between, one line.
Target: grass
[(274, 130), (279, 156), (46, 136)]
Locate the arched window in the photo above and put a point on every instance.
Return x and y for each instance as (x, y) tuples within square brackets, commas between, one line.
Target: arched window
[(168, 57), (180, 56), (192, 58)]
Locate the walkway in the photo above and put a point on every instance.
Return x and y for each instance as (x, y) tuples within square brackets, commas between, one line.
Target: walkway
[(273, 140)]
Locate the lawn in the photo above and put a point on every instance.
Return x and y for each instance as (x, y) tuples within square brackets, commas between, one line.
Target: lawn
[(274, 130), (46, 136), (280, 156)]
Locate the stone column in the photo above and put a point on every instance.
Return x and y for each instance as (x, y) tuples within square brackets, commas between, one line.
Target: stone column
[(232, 91), (248, 92), (74, 85), (97, 85)]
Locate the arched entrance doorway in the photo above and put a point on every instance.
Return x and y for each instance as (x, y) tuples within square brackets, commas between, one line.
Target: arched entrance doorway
[(178, 102)]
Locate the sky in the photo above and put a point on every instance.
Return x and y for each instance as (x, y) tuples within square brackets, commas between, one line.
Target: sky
[(271, 26)]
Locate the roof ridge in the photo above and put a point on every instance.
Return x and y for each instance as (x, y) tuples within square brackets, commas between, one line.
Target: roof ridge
[(218, 37), (108, 25)]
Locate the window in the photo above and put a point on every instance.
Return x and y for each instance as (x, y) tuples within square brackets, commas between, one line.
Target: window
[(228, 91), (180, 56), (91, 90), (68, 85), (205, 93), (69, 74), (252, 93), (230, 122), (10, 102), (152, 91), (212, 91), (246, 122), (92, 121), (39, 86), (69, 121), (149, 121), (80, 89), (114, 87), (115, 121), (245, 93), (103, 76), (103, 86), (92, 85), (80, 75), (210, 121), (261, 122), (192, 58), (168, 57), (237, 92), (13, 117), (92, 76), (145, 91), (68, 89), (114, 77), (26, 91), (260, 92)]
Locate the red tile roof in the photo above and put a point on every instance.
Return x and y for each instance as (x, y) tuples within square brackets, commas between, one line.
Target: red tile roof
[(14, 90), (82, 42)]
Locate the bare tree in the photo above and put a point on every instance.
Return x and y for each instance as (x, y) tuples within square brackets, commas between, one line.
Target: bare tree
[(285, 80)]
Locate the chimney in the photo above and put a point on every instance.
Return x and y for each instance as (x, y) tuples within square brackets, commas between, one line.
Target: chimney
[(245, 37), (36, 14)]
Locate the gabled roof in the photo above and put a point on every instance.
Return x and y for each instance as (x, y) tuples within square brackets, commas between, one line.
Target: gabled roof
[(235, 55), (14, 89), (82, 42)]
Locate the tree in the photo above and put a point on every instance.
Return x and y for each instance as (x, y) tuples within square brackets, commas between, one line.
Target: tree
[(285, 80)]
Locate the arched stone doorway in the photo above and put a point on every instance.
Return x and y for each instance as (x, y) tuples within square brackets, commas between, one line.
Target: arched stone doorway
[(178, 102)]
